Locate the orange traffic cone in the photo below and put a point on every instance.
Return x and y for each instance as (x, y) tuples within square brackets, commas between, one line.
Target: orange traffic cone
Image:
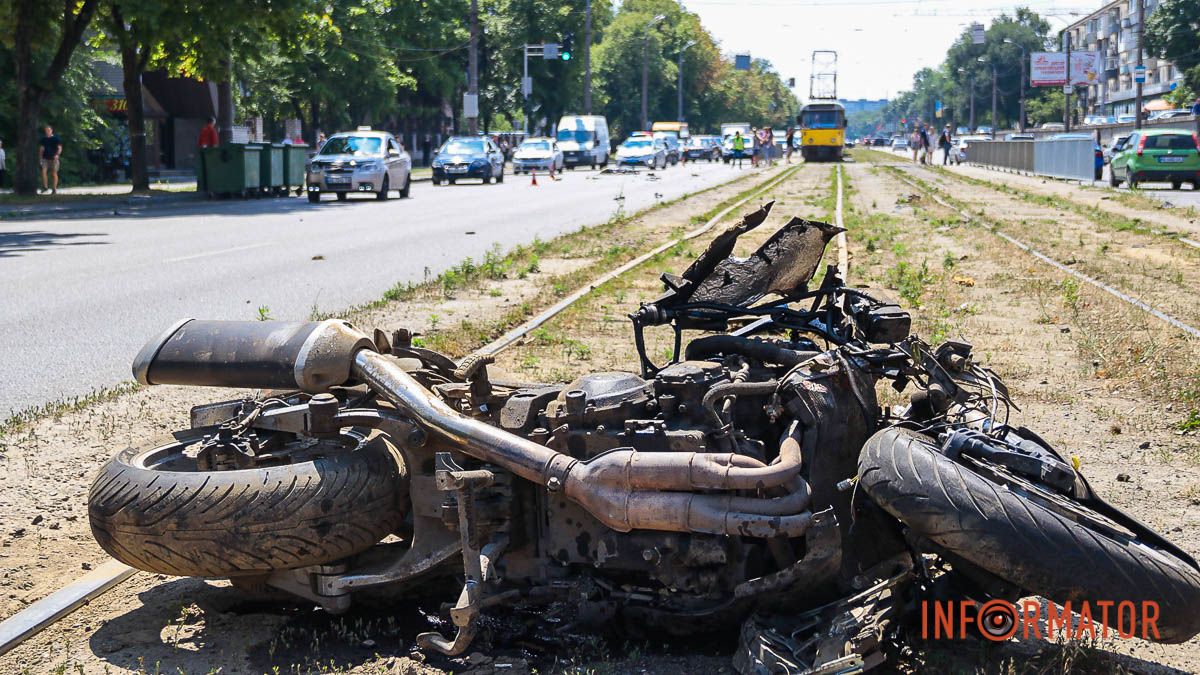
[(533, 177)]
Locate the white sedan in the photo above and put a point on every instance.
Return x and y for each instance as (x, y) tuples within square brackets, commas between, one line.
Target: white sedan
[(540, 154)]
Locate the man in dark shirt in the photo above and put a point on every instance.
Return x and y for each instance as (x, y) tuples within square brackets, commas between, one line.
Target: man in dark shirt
[(50, 150)]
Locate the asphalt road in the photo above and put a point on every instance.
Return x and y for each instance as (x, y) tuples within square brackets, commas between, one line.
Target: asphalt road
[(81, 296)]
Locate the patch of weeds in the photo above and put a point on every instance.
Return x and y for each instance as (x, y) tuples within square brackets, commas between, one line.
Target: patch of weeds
[(264, 313), (1191, 423), (1070, 293), (949, 261), (910, 281)]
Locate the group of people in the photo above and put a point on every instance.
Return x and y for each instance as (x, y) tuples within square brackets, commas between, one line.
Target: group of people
[(762, 143), (49, 150), (921, 142)]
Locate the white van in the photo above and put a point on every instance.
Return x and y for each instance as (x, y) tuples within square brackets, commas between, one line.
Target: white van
[(583, 140)]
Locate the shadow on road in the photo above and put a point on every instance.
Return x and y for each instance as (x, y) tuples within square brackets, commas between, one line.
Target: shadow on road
[(13, 244)]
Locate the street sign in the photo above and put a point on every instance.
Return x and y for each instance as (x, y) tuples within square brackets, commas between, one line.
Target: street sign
[(550, 51), (978, 36), (526, 86), (1139, 74), (470, 105), (1067, 88), (741, 61)]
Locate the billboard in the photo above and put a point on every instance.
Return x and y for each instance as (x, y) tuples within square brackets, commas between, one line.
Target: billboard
[(1049, 69)]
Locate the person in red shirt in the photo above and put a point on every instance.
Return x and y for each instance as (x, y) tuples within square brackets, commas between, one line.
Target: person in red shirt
[(208, 135)]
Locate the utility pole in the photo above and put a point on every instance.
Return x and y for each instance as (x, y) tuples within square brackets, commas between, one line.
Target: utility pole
[(995, 117), (1141, 30), (646, 70), (1021, 112), (680, 71), (473, 72), (972, 124), (1067, 88), (587, 59)]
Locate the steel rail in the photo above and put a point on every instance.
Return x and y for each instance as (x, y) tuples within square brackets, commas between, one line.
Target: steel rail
[(1152, 311), (511, 337)]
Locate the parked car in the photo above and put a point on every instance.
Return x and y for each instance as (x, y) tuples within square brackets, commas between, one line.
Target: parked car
[(1098, 152), (1117, 145), (643, 150), (1127, 118), (985, 130), (538, 154), (1053, 126), (879, 142), (359, 161), (849, 142), (1019, 137), (1167, 155), (1170, 114), (583, 140), (959, 153), (703, 147), (468, 157), (962, 131), (671, 141), (899, 144)]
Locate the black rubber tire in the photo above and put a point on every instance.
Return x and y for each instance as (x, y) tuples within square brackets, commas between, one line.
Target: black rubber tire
[(1113, 181), (314, 197), (384, 190), (500, 178), (407, 189), (342, 196), (1018, 540), (253, 521), (1176, 185)]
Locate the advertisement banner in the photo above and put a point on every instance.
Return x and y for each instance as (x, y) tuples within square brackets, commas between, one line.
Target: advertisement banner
[(1049, 69)]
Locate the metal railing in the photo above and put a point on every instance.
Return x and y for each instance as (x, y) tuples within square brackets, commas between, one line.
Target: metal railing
[(1072, 158)]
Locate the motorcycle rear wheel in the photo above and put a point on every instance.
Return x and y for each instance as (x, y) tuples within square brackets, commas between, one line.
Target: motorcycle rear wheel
[(1020, 540), (152, 509)]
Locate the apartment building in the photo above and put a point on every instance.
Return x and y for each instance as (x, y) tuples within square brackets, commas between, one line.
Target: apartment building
[(1113, 31)]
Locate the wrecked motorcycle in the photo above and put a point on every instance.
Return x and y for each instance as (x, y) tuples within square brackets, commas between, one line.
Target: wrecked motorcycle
[(755, 479)]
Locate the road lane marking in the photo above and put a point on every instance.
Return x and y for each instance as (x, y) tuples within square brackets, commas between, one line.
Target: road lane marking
[(212, 253)]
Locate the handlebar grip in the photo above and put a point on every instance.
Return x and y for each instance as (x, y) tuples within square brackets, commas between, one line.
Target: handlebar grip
[(312, 356)]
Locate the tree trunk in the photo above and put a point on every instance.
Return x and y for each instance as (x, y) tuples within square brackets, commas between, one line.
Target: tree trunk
[(31, 92), (132, 66), (225, 102)]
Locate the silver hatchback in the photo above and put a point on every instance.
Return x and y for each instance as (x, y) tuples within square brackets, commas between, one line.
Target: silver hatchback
[(359, 161)]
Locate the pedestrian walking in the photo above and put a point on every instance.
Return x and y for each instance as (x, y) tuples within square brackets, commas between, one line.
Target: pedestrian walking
[(791, 138), (753, 147), (766, 143), (51, 150), (945, 144), (208, 135), (3, 164), (1196, 107), (927, 141), (914, 140), (739, 148)]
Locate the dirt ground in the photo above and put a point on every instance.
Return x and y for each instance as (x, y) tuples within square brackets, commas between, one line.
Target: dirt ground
[(1098, 378)]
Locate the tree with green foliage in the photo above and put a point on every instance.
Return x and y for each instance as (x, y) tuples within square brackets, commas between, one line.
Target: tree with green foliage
[(1173, 33), (44, 38)]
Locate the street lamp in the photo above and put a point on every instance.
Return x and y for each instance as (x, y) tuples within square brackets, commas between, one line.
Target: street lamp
[(646, 67), (971, 93), (995, 120), (680, 69), (1021, 115)]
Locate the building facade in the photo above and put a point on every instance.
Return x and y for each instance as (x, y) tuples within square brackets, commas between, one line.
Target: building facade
[(1113, 32)]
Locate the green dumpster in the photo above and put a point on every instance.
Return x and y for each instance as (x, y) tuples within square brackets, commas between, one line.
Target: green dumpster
[(295, 162), (232, 169), (270, 167), (201, 183)]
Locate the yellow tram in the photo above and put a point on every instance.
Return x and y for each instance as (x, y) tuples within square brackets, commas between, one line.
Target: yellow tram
[(822, 131)]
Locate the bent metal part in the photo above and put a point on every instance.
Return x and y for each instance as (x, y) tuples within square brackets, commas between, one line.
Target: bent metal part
[(752, 480)]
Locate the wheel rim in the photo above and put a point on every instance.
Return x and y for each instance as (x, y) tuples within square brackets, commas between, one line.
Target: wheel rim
[(180, 456)]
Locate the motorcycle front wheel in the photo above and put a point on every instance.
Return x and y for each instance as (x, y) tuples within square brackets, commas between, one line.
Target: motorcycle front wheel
[(306, 502), (1046, 544)]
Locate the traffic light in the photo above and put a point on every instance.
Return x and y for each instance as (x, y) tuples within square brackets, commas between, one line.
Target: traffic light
[(568, 44)]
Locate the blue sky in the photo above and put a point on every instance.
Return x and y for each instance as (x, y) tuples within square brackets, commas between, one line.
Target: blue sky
[(880, 43)]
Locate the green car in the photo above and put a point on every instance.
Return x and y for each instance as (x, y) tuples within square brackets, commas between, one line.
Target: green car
[(1162, 155)]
